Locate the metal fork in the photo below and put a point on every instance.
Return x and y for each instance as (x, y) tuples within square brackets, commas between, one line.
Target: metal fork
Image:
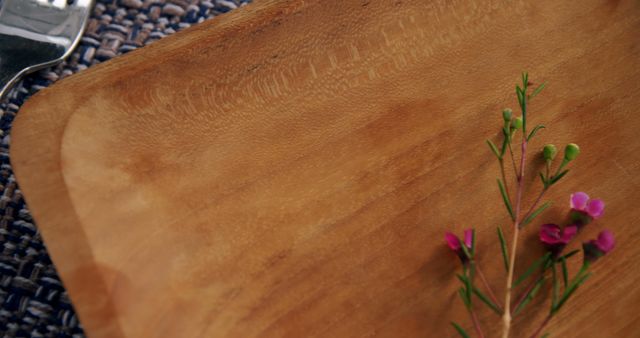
[(35, 34)]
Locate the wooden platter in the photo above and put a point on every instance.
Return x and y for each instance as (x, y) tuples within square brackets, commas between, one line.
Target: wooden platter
[(289, 169)]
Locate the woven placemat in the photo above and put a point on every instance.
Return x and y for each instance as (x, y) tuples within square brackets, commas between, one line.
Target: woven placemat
[(33, 301)]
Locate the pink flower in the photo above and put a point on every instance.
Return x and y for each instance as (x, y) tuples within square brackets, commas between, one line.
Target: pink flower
[(556, 238), (455, 243), (584, 210), (552, 234), (599, 247)]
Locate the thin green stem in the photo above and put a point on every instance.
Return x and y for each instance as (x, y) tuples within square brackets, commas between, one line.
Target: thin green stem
[(474, 318), (513, 160), (527, 291), (535, 204), (476, 322), (562, 165), (487, 287), (504, 179), (548, 165)]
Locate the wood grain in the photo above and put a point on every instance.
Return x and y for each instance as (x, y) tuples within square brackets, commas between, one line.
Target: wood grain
[(289, 169)]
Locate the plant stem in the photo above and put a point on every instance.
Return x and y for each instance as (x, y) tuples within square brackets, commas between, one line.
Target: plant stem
[(541, 327), (535, 204), (476, 323), (494, 299), (548, 165), (506, 318), (504, 180), (562, 165), (513, 160), (526, 291)]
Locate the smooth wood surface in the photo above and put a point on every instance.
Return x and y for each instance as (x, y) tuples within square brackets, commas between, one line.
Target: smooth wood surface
[(289, 169)]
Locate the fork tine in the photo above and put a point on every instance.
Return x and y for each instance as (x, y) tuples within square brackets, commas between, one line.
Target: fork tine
[(49, 29)]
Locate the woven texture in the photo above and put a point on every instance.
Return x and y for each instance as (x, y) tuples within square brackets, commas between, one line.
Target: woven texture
[(33, 301)]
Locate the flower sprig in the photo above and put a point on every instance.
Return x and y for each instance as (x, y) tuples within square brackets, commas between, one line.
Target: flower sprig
[(551, 267)]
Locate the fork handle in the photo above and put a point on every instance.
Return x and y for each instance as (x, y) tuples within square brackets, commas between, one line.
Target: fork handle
[(9, 74)]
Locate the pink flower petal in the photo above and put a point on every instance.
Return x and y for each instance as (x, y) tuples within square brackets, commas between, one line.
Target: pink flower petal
[(468, 238), (595, 208), (452, 241), (579, 200), (606, 241), (550, 234), (568, 233)]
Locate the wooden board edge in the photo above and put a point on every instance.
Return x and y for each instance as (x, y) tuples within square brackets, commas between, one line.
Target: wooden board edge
[(35, 152)]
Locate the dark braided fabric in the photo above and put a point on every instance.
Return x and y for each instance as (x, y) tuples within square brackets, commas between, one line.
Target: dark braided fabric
[(33, 301)]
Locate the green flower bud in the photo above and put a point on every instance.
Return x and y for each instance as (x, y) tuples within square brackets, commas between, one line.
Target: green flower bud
[(506, 115), (549, 152), (571, 151), (517, 122)]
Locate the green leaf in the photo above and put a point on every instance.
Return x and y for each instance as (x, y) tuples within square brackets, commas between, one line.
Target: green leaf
[(543, 179), (583, 279), (470, 277), (535, 213), (565, 271), (546, 335), (557, 178), (534, 131), (532, 293), (503, 248), (578, 280), (468, 289), (579, 275), (460, 330), (505, 141), (532, 268), (464, 248), (548, 264), (564, 162), (570, 292), (520, 95), (537, 90), (571, 253), (463, 294), (507, 203), (494, 149), (486, 300)]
